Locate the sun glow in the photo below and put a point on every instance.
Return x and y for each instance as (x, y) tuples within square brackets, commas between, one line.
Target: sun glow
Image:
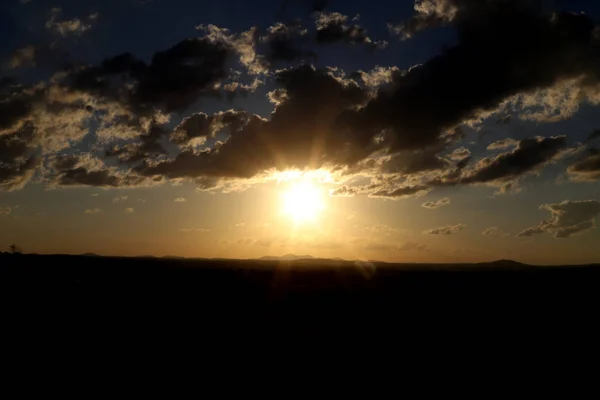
[(303, 202)]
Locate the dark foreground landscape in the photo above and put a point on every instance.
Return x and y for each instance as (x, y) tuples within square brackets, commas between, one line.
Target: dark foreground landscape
[(145, 301)]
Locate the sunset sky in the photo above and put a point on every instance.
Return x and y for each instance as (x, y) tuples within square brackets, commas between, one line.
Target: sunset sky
[(427, 131)]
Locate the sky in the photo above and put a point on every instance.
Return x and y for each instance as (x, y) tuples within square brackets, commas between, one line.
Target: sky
[(425, 131)]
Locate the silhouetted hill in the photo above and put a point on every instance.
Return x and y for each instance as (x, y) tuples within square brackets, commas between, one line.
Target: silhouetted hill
[(505, 263), (287, 257)]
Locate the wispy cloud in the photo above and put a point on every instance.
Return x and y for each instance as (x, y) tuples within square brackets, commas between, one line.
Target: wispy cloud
[(445, 230), (432, 205)]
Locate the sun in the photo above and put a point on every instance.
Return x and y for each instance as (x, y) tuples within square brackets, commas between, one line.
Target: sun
[(303, 202)]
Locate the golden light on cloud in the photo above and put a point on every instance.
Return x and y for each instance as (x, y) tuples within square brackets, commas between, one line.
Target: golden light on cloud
[(303, 202)]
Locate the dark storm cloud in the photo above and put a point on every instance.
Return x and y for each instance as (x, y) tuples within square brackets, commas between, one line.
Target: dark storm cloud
[(594, 135), (299, 133), (445, 230), (566, 218), (529, 154), (587, 167), (409, 162), (507, 50), (85, 170), (334, 27), (407, 119), (17, 174), (16, 103), (18, 160), (286, 42), (201, 126), (419, 178), (148, 146), (174, 79)]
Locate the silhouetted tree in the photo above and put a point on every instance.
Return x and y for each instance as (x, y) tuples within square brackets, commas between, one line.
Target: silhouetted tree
[(14, 249)]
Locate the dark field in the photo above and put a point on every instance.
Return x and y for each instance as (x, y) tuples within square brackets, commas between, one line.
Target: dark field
[(137, 302), (85, 322), (304, 295)]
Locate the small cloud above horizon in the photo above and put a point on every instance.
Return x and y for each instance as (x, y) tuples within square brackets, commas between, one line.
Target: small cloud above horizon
[(445, 230), (432, 205)]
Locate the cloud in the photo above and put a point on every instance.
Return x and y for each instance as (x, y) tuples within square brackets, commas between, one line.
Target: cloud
[(566, 218), (410, 162), (334, 27), (459, 154), (586, 168), (428, 13), (240, 224), (529, 155), (401, 192), (129, 210), (288, 139), (445, 230), (199, 127), (92, 211), (23, 57), (86, 170), (594, 135), (503, 144), (503, 51), (173, 80), (179, 200), (285, 42), (378, 76), (508, 188), (491, 231), (119, 199), (67, 27), (400, 130), (4, 211), (18, 161), (432, 205)]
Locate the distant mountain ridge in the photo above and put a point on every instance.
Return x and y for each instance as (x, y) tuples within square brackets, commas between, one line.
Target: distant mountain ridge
[(504, 263), (287, 257)]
